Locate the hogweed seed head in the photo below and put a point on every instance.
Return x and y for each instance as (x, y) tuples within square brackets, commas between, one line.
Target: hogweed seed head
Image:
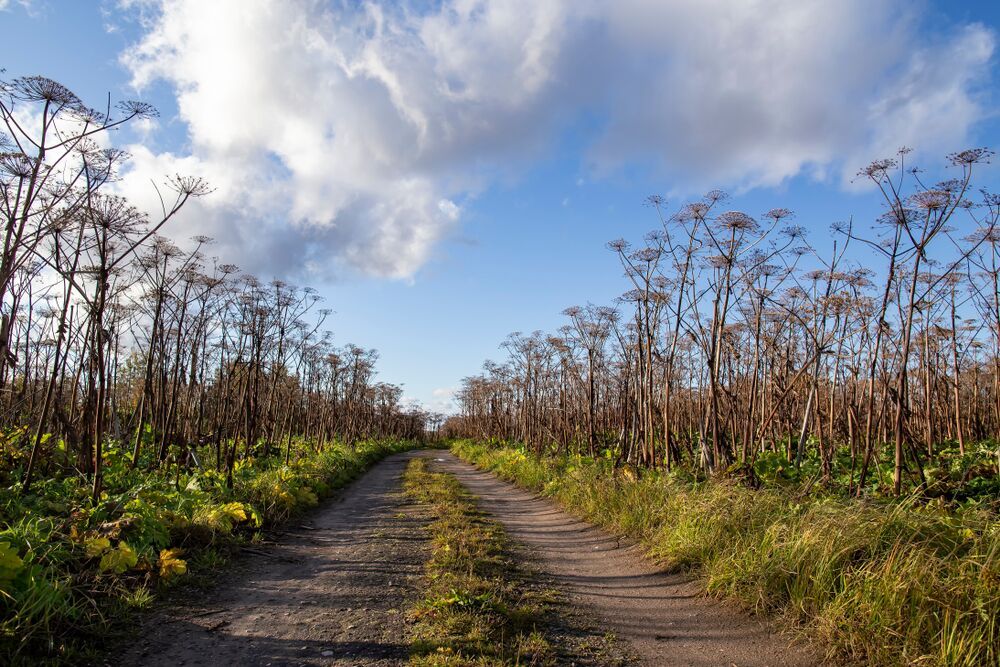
[(736, 221), (971, 156), (930, 200)]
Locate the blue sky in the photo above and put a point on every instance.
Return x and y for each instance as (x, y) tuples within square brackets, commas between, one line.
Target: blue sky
[(446, 173)]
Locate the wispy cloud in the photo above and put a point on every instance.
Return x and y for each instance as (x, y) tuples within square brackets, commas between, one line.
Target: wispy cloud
[(27, 5)]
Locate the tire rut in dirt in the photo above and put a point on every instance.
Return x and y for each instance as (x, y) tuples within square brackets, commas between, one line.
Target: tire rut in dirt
[(663, 617)]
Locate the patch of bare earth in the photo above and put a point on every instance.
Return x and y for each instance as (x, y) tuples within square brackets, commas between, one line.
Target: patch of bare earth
[(663, 618), (332, 591)]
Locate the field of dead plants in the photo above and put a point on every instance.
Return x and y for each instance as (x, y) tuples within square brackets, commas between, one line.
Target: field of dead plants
[(158, 404), (811, 429)]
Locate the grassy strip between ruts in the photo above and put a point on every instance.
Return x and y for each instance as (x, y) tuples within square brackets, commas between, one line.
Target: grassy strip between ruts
[(473, 609), (887, 583), (71, 570)]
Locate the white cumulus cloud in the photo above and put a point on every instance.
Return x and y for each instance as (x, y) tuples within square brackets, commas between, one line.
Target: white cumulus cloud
[(355, 133)]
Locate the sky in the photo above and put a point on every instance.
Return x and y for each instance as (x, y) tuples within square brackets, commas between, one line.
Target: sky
[(445, 172)]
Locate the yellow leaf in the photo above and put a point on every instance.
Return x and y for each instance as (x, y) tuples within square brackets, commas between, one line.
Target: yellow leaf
[(170, 564), (235, 511), (120, 559), (221, 517), (95, 546)]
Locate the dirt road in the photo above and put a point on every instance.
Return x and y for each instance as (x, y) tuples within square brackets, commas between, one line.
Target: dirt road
[(333, 591)]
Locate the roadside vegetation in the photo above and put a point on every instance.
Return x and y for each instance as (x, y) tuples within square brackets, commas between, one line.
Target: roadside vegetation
[(156, 403), (475, 608), (71, 569), (882, 582)]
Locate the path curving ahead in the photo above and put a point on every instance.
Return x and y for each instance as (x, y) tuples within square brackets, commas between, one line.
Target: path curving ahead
[(661, 616)]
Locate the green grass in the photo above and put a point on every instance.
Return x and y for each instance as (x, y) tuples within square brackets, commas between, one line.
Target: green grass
[(875, 582), (473, 609), (71, 570)]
